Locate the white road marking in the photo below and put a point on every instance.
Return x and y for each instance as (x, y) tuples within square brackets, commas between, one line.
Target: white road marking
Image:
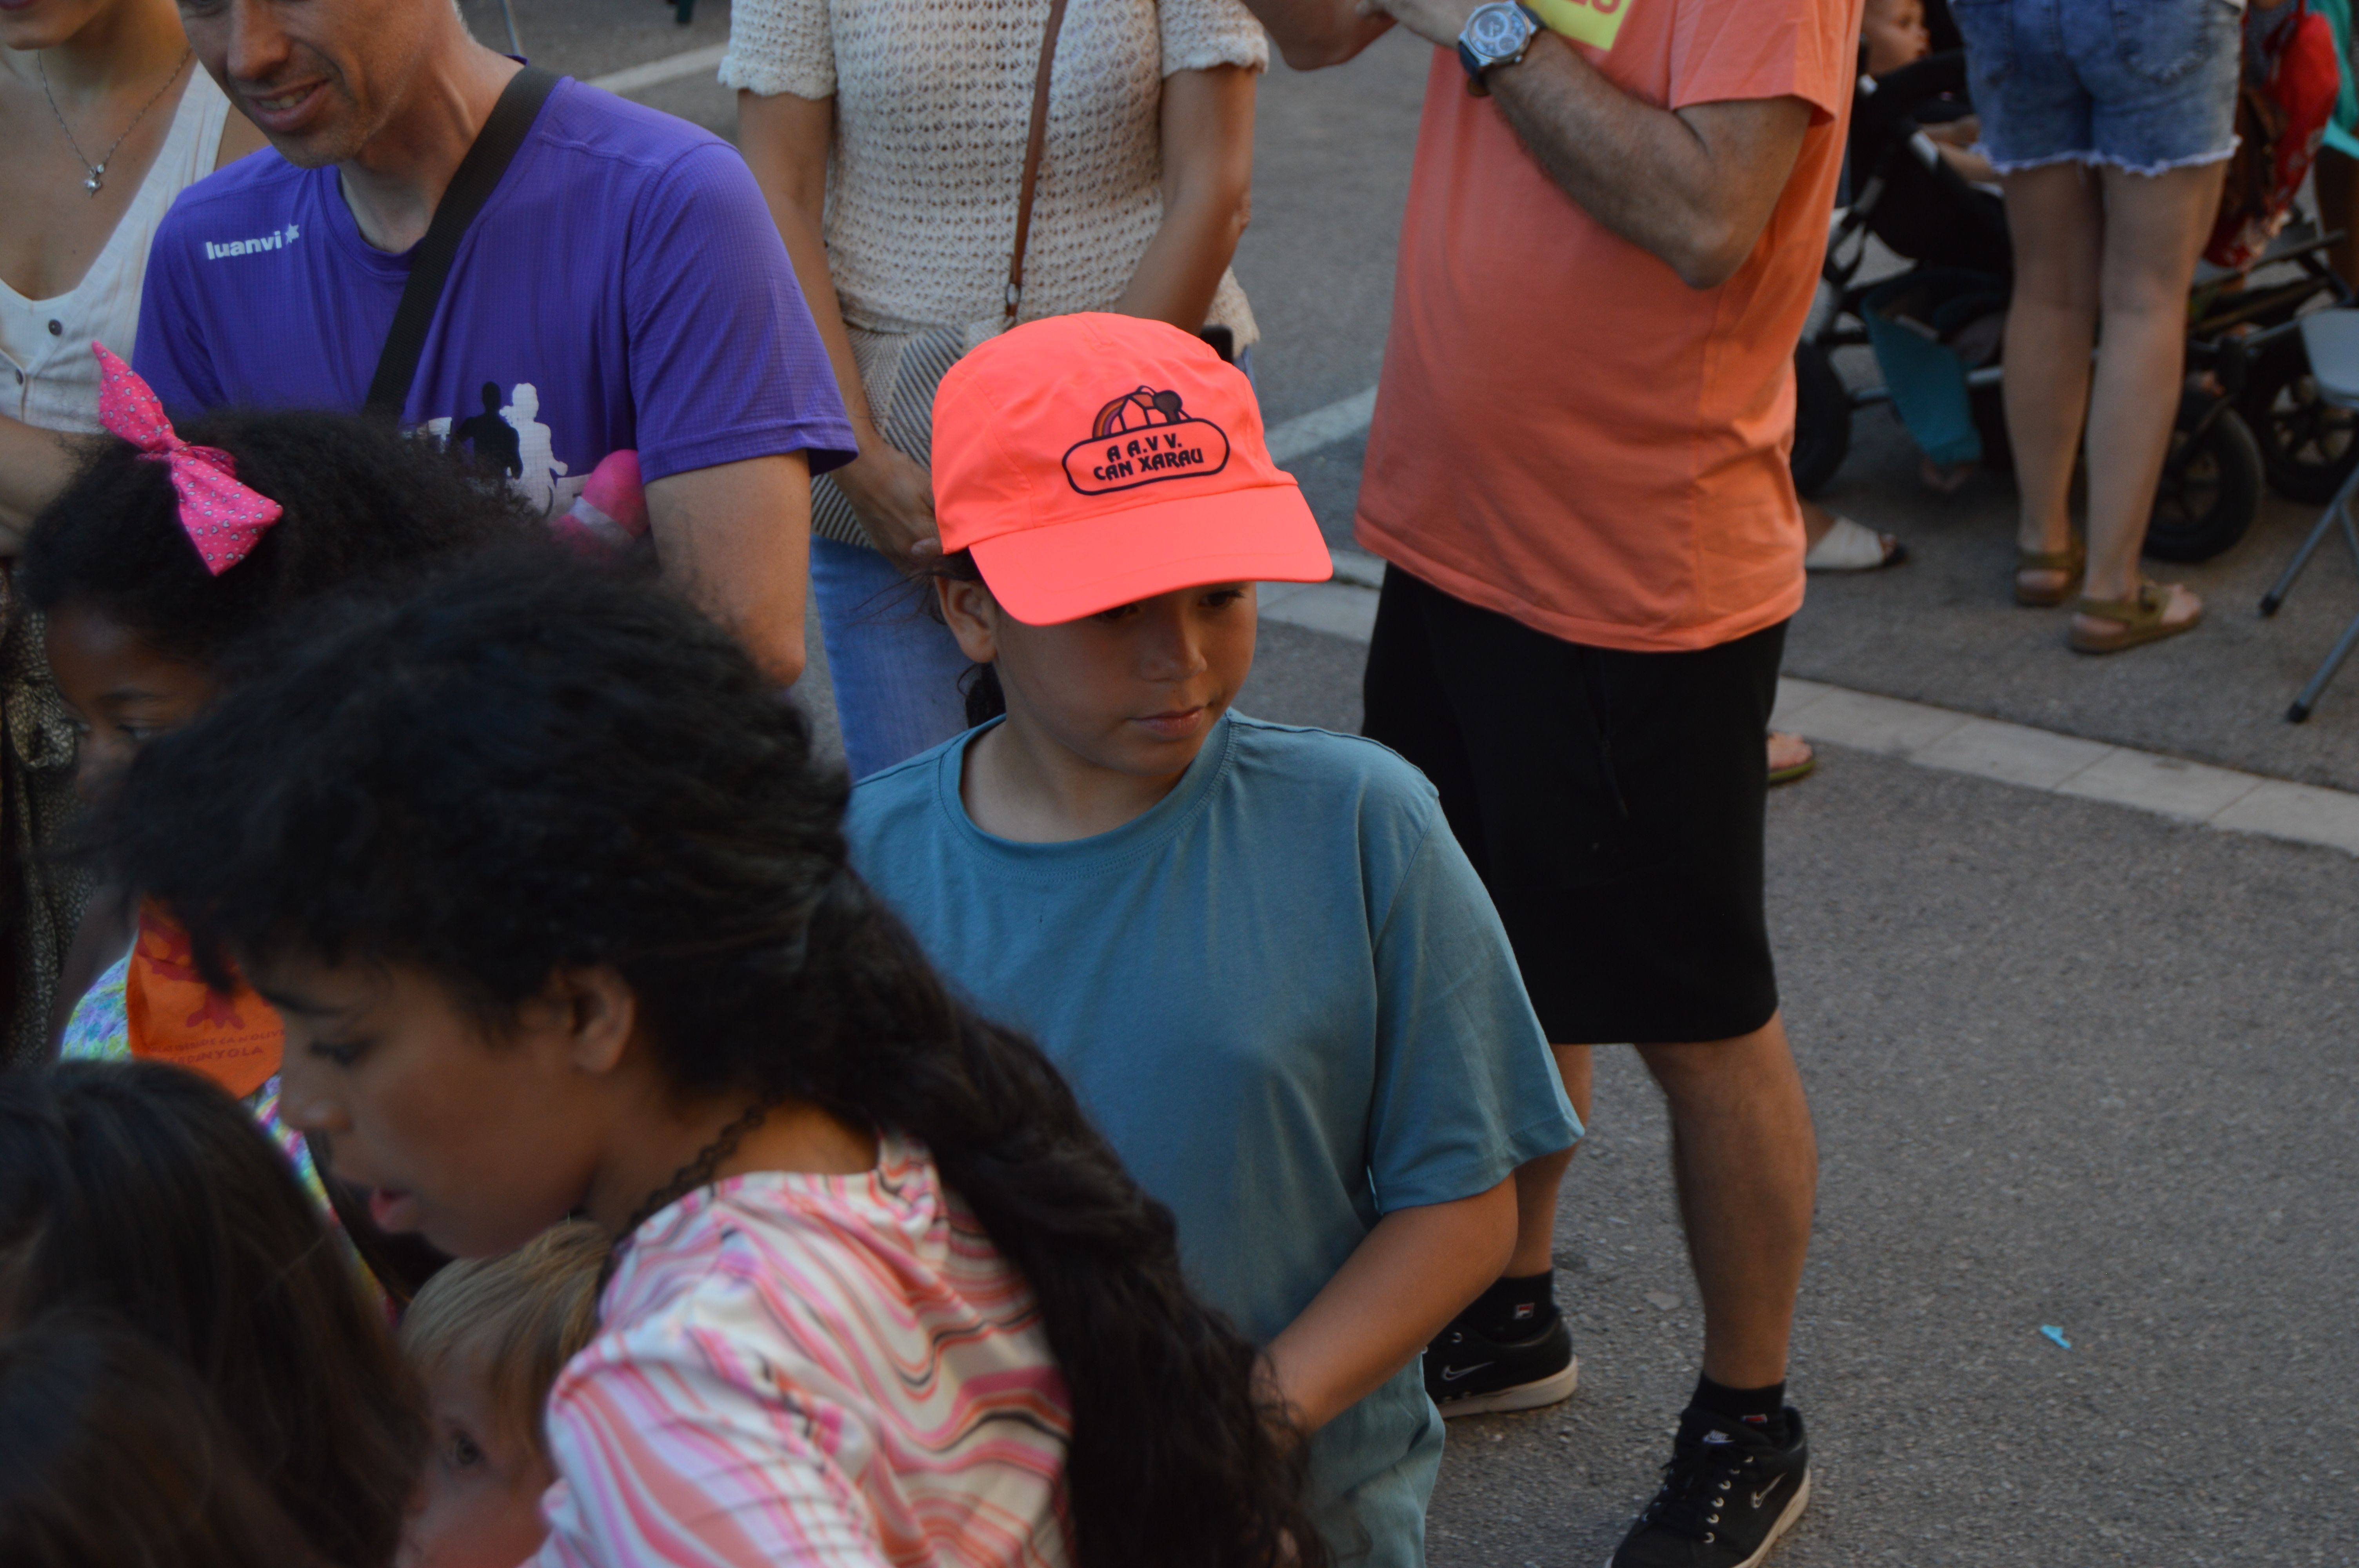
[(1931, 736), (2065, 765), (656, 73), (1300, 437)]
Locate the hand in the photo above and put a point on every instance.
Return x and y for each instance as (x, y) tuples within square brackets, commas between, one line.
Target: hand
[(894, 495), (1436, 21)]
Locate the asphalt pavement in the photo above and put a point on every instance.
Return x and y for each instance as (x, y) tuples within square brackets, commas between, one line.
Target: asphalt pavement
[(2075, 1066)]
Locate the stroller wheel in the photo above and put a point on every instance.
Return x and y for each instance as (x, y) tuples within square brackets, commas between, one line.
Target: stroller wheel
[(1821, 419), (2211, 488), (2308, 444)]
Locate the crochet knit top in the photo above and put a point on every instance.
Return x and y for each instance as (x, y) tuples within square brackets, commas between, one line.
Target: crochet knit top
[(933, 99)]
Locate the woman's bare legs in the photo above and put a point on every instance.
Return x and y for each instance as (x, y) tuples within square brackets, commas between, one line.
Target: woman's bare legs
[(2091, 241), (2155, 226), (2057, 218)]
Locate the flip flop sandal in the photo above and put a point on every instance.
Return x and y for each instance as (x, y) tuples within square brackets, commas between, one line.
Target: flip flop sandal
[(1793, 770), (1850, 546), (2139, 618), (2073, 561)]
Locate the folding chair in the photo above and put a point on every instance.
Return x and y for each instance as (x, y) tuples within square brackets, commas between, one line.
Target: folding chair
[(2332, 340)]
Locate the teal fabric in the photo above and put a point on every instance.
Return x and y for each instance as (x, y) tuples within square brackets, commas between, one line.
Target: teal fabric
[(1286, 997), (1928, 381)]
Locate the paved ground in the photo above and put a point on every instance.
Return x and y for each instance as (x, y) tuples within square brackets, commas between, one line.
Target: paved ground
[(2073, 1064), (1940, 629)]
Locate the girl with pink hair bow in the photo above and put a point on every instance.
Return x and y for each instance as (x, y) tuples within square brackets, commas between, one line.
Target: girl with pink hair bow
[(158, 561)]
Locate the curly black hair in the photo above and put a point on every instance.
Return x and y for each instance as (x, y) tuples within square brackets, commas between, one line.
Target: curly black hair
[(520, 770), (361, 498), (145, 1191)]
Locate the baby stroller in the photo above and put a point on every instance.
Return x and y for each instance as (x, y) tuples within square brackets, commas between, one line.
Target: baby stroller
[(2250, 412)]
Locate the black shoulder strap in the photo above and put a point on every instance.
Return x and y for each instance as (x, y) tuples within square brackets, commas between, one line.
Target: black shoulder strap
[(429, 267)]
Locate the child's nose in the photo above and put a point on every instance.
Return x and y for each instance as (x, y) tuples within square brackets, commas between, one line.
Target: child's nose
[(1174, 649)]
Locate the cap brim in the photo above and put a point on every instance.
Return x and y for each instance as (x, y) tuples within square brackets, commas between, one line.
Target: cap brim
[(1043, 576)]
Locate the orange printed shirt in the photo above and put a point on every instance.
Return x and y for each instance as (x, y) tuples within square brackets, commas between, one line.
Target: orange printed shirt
[(1565, 432), (234, 1039)]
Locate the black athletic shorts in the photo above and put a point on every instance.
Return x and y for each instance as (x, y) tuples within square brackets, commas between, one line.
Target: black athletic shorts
[(1611, 802)]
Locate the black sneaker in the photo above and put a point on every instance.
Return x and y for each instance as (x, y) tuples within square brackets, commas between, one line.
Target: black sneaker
[(1467, 1372), (1728, 1494)]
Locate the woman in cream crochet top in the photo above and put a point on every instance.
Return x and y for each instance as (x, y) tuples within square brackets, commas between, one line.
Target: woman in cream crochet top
[(889, 136)]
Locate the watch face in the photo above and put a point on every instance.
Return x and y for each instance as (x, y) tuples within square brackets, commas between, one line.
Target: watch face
[(1497, 30)]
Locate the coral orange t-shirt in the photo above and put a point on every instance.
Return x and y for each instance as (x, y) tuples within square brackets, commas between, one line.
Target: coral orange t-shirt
[(1565, 432)]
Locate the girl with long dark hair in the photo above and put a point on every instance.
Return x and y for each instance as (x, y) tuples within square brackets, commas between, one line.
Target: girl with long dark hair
[(554, 899), (163, 555), (145, 1193)]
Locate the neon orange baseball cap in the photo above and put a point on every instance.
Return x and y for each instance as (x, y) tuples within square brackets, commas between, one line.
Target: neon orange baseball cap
[(1090, 461)]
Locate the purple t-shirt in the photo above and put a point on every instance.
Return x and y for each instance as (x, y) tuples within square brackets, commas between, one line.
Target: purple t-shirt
[(623, 287)]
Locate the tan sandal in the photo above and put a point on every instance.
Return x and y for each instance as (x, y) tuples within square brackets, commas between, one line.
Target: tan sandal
[(2073, 561), (2139, 619), (1791, 771)]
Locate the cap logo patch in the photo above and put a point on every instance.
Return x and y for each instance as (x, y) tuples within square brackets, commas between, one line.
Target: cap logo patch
[(1145, 437)]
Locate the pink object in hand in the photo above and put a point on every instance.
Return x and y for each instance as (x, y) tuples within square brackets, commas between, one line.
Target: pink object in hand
[(611, 514)]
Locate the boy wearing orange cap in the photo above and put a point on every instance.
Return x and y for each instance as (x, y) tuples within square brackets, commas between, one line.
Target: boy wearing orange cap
[(1255, 950)]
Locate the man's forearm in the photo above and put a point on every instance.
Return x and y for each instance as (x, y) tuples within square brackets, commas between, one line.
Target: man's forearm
[(736, 540), (1314, 33), (35, 466), (1650, 175)]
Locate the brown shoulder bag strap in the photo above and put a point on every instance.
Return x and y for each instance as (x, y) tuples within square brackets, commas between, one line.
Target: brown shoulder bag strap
[(1033, 143)]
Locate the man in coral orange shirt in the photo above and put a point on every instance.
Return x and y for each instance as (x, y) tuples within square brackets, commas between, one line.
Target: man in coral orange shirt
[(1577, 473)]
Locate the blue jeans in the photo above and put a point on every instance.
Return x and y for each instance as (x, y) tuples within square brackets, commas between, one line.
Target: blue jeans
[(896, 669), (2145, 85)]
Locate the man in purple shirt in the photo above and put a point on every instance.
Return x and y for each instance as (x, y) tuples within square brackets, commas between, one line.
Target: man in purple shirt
[(623, 287)]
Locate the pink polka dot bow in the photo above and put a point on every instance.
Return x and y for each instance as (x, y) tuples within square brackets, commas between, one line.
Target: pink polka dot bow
[(222, 517)]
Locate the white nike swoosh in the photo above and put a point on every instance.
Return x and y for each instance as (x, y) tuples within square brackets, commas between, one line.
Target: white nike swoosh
[(1451, 1374), (1766, 1491)]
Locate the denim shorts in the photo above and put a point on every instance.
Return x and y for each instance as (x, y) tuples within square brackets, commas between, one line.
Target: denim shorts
[(2146, 85)]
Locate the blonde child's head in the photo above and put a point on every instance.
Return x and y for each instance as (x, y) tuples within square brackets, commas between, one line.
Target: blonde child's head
[(489, 1337)]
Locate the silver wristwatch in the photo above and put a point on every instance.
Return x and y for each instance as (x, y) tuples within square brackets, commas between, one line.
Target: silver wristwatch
[(1497, 33)]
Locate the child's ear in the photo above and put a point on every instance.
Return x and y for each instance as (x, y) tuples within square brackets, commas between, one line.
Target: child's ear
[(973, 616)]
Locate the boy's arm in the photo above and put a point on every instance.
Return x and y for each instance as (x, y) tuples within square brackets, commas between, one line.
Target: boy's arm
[(1397, 1290)]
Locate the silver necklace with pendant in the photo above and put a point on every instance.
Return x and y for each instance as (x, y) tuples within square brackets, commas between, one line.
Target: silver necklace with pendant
[(97, 175)]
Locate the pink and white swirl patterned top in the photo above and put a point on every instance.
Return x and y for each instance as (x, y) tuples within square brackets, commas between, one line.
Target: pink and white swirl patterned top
[(830, 1370)]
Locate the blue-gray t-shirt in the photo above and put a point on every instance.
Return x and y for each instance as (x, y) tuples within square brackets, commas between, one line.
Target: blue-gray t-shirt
[(1285, 997)]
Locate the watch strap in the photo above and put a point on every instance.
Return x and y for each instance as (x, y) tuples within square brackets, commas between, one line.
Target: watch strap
[(1477, 67)]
